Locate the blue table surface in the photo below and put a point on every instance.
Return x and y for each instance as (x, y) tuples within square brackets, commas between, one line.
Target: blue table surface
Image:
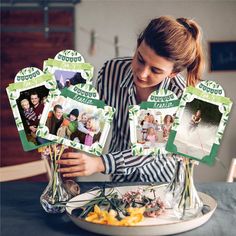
[(22, 214)]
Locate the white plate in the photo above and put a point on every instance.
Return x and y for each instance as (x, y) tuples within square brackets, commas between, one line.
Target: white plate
[(163, 225)]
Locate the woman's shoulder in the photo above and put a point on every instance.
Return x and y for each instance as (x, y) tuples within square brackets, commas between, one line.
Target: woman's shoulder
[(114, 71), (118, 63)]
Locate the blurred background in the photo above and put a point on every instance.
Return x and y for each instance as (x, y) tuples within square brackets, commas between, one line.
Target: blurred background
[(33, 31)]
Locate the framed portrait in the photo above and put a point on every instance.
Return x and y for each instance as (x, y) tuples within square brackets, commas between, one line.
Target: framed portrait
[(222, 56), (200, 122), (76, 118), (69, 69), (27, 98), (151, 121)]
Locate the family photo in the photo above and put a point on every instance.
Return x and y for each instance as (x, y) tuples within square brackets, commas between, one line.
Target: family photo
[(75, 121), (154, 127), (68, 78), (197, 129), (31, 104)]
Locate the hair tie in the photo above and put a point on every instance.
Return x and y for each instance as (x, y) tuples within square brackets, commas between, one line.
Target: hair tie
[(186, 25)]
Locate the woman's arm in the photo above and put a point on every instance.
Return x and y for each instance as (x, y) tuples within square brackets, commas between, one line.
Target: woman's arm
[(158, 168), (119, 163)]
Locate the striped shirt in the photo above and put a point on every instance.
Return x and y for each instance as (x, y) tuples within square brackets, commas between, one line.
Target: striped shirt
[(30, 116), (116, 88)]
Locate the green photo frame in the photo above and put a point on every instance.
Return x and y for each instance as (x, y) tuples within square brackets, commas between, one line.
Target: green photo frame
[(200, 122), (83, 120), (68, 68), (27, 97), (151, 121)]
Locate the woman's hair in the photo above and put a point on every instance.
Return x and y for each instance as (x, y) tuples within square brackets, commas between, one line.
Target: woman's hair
[(166, 117), (178, 40)]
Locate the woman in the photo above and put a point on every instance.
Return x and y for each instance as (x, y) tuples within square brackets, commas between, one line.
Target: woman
[(168, 121), (166, 47)]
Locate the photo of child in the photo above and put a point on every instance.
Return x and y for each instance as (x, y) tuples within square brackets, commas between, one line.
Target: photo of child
[(197, 129), (152, 136), (28, 112), (195, 120)]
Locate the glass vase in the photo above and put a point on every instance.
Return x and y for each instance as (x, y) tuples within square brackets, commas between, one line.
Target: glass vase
[(187, 204), (55, 195)]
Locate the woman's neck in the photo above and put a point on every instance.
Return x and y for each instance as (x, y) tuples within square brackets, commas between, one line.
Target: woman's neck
[(142, 94)]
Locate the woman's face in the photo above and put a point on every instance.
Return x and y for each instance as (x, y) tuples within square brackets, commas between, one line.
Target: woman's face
[(84, 118), (89, 124), (148, 68), (151, 119), (168, 119)]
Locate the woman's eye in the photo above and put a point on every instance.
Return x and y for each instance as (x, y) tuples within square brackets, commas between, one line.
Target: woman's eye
[(140, 61), (155, 71)]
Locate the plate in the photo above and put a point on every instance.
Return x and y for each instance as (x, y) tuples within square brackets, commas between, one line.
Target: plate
[(165, 224)]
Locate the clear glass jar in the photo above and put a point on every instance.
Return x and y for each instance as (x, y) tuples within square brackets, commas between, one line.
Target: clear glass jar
[(181, 194), (55, 195)]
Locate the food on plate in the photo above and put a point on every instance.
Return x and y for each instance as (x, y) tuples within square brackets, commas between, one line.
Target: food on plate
[(113, 208)]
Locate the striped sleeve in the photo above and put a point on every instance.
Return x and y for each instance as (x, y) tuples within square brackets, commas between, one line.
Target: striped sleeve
[(123, 162)]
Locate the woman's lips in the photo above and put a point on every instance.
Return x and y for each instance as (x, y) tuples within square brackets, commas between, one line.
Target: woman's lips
[(139, 80)]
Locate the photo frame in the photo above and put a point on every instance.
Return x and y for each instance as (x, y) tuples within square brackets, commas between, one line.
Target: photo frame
[(222, 56), (76, 102), (151, 121), (200, 122), (27, 96), (68, 68)]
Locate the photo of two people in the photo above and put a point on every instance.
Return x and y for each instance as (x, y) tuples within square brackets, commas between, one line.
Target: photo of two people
[(31, 104)]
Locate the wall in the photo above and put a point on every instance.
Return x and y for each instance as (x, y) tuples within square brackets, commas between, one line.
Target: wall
[(127, 18)]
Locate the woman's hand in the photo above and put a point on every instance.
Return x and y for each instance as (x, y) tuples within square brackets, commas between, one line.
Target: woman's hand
[(33, 128), (76, 164)]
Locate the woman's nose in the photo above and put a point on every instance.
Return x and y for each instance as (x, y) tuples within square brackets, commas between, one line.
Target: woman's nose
[(144, 72)]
